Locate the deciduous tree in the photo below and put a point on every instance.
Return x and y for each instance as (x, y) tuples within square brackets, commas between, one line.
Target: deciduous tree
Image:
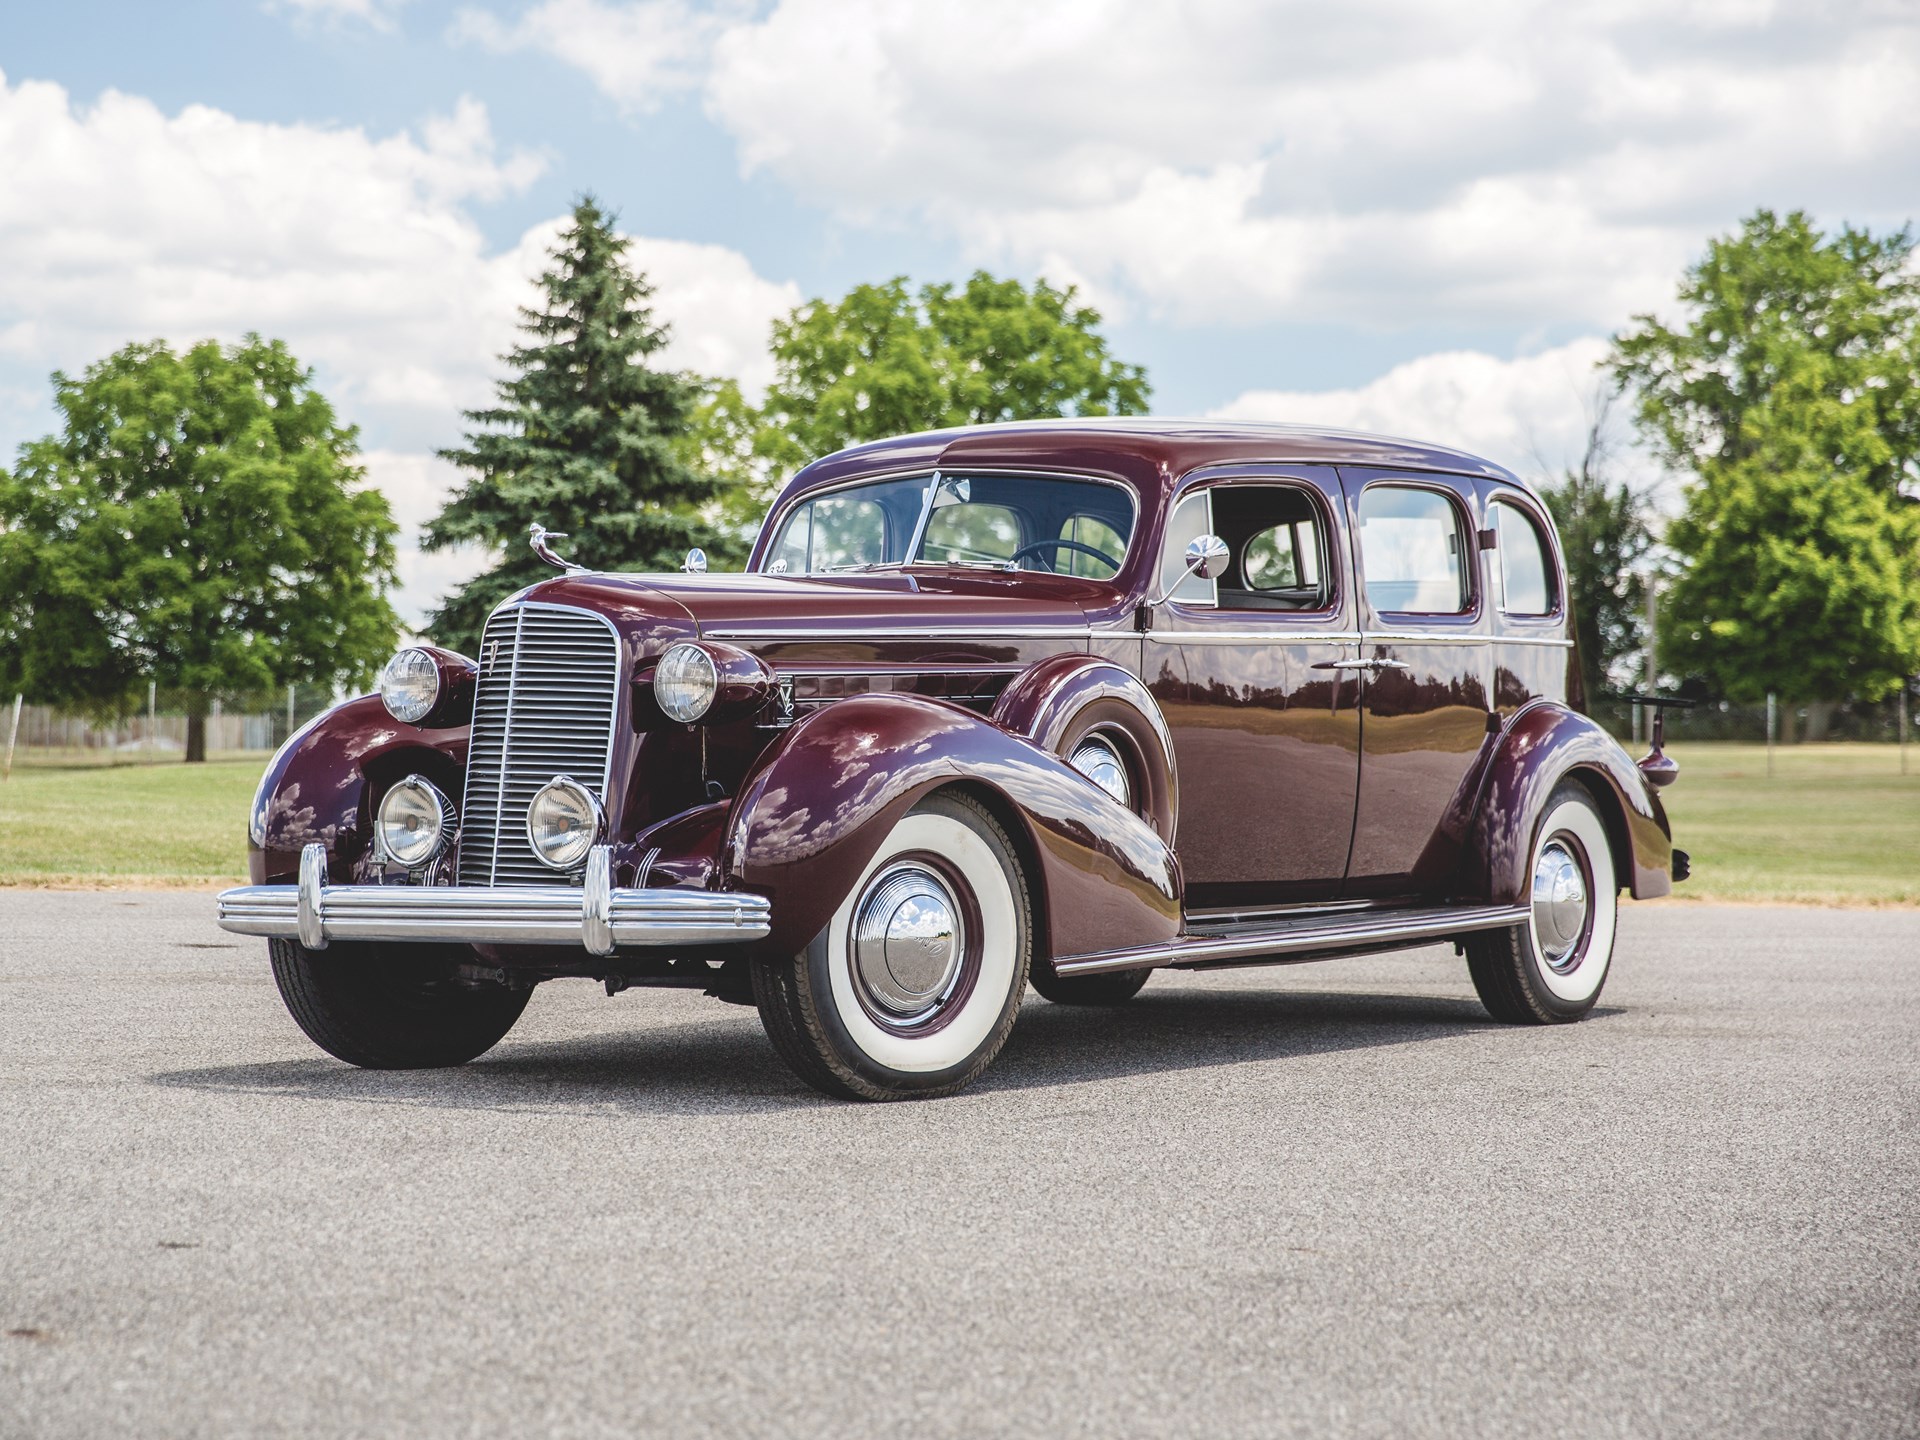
[(1790, 391), (200, 521), (884, 360)]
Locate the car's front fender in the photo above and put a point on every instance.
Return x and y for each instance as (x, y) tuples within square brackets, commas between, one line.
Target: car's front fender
[(819, 802), (318, 787)]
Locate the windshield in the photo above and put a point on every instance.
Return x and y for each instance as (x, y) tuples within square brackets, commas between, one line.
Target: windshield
[(1007, 522)]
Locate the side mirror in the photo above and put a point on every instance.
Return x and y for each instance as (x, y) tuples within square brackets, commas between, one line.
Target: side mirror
[(1206, 557)]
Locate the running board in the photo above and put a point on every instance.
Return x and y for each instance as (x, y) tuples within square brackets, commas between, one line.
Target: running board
[(1306, 938)]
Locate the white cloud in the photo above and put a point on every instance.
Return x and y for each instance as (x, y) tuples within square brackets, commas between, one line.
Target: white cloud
[(1530, 414), (416, 486), (637, 53), (1388, 162), (119, 222)]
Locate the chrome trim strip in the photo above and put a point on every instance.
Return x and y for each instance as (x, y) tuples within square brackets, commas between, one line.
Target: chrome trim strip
[(852, 631), (881, 670), (497, 915), (1279, 942), (1263, 637)]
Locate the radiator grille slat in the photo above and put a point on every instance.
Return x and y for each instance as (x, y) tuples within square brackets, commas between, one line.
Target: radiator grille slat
[(545, 705)]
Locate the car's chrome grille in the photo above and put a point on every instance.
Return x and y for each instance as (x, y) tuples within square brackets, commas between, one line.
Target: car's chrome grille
[(545, 705)]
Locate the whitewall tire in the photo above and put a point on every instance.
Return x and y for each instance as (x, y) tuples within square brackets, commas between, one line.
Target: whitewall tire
[(1552, 968), (912, 987)]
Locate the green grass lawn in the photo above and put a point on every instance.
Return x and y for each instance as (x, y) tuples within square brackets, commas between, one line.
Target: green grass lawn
[(80, 822), (1836, 824)]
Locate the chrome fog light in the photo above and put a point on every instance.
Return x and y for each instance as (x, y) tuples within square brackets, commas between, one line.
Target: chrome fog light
[(563, 822), (415, 822), (409, 685), (684, 682)]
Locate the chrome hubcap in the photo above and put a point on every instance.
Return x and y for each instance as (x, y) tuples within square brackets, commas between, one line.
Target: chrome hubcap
[(1559, 904), (1094, 758), (907, 940)]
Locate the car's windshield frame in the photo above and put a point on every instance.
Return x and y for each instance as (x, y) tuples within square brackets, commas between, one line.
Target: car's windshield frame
[(774, 530)]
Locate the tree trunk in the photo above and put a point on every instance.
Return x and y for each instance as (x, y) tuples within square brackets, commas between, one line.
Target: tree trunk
[(1819, 718), (196, 738)]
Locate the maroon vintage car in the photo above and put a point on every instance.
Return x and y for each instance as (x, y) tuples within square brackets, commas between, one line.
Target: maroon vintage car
[(1061, 702)]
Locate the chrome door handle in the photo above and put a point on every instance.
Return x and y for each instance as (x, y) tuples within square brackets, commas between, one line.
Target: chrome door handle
[(1371, 667)]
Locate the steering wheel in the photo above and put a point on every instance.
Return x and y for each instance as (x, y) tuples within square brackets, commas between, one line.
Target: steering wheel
[(1037, 546)]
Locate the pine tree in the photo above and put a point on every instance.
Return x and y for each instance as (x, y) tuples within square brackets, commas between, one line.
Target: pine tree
[(586, 438)]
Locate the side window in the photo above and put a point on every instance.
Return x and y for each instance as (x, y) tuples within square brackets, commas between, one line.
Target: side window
[(1283, 557), (1097, 534), (1191, 518), (971, 533), (833, 532), (1412, 549), (1526, 566)]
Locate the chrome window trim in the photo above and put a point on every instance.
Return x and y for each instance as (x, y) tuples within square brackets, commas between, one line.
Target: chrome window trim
[(1207, 478), (878, 477), (1346, 637), (1467, 533)]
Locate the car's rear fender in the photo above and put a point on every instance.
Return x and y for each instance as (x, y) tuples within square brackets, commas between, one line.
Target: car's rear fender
[(1060, 700), (819, 802), (1542, 746)]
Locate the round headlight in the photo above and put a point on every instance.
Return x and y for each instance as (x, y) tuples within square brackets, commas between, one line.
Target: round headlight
[(415, 822), (563, 822), (684, 683), (409, 685)]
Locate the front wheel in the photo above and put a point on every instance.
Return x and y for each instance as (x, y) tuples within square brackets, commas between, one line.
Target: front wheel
[(912, 987), (1550, 970), (392, 1007)]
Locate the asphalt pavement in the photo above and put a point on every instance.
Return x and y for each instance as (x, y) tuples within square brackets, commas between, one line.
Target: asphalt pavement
[(1313, 1200)]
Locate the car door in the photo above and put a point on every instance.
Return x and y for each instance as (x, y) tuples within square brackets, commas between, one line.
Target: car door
[(1247, 670), (1425, 712)]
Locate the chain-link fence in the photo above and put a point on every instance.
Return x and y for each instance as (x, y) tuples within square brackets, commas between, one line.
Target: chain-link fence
[(50, 734), (1790, 723)]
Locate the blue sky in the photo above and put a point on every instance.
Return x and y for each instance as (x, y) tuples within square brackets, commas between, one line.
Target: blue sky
[(1390, 214)]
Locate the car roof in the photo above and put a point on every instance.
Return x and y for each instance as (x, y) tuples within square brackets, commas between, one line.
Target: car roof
[(1142, 450)]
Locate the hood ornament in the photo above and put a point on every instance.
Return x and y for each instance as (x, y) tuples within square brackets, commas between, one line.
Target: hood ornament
[(538, 535)]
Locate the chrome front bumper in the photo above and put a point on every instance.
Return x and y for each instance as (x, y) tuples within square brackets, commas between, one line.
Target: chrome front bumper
[(595, 915)]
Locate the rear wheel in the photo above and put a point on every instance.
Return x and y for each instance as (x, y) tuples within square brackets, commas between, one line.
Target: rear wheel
[(1550, 970), (392, 1007), (912, 987)]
